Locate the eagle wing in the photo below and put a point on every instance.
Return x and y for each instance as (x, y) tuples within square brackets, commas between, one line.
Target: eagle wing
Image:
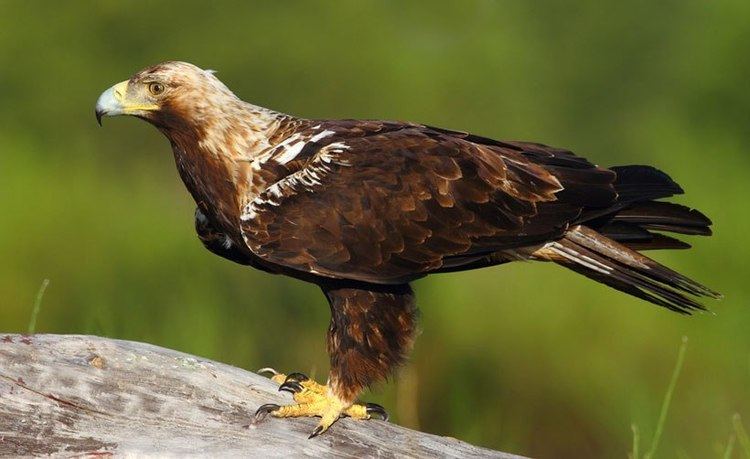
[(392, 205), (217, 242)]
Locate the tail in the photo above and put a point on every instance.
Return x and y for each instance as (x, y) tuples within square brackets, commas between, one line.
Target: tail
[(635, 215), (599, 258), (604, 245)]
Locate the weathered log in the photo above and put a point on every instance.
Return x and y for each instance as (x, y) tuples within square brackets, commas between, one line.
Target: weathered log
[(84, 395)]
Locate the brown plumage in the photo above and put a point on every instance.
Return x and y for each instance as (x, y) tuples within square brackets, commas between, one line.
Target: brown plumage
[(362, 208)]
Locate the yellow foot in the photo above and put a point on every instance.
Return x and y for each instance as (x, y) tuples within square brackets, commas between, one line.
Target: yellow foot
[(314, 399)]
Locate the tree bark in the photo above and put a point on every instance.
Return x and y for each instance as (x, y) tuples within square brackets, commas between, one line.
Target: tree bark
[(73, 395)]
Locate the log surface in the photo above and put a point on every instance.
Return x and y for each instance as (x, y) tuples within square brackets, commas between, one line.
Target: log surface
[(73, 395)]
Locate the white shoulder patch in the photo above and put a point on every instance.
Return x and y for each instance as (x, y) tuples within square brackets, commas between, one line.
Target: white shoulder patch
[(290, 152), (290, 143), (292, 146), (321, 135)]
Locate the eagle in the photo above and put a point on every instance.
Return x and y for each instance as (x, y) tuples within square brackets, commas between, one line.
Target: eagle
[(362, 208)]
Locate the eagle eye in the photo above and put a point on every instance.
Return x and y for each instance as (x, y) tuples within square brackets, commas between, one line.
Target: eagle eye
[(155, 88)]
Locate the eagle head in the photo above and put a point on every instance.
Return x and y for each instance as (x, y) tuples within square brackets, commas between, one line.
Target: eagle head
[(169, 95)]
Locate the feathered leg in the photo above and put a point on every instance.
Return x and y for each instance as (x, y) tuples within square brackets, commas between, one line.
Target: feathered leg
[(372, 329)]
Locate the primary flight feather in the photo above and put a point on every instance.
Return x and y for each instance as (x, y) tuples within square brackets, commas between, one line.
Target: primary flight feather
[(361, 208)]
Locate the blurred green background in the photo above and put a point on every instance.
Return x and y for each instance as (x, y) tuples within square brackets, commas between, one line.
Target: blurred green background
[(528, 358)]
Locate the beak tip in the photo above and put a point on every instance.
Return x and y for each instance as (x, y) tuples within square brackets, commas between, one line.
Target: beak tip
[(99, 115)]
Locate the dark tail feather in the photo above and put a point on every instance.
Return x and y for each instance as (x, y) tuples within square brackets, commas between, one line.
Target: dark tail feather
[(665, 216), (589, 253), (643, 183), (634, 184), (638, 238), (635, 215)]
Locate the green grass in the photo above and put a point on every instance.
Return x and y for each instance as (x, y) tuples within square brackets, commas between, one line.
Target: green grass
[(741, 434), (634, 454), (650, 454), (37, 305), (730, 447)]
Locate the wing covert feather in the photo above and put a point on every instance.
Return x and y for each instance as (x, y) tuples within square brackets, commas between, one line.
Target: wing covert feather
[(395, 205)]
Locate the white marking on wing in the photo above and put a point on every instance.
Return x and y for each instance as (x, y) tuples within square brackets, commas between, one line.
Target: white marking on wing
[(332, 154), (227, 242), (321, 135), (290, 152), (288, 140), (249, 212), (338, 145), (306, 179)]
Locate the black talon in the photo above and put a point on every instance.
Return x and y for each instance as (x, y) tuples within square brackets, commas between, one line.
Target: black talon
[(263, 411), (318, 430), (374, 408), (299, 377), (291, 386)]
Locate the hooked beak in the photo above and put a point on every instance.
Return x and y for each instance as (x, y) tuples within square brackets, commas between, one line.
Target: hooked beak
[(110, 103), (115, 101)]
